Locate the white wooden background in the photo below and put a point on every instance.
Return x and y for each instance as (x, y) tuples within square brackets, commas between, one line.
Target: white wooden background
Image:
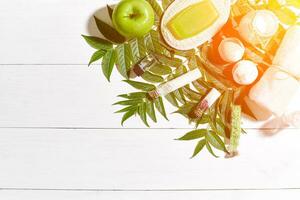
[(59, 138)]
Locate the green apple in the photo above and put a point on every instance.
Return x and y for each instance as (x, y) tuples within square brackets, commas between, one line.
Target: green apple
[(133, 18)]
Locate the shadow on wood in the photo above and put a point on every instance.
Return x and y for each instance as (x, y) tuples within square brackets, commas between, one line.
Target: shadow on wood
[(101, 13)]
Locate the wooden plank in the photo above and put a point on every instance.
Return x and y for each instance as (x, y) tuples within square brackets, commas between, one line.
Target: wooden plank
[(71, 96), (149, 195), (142, 160), (64, 96), (48, 31)]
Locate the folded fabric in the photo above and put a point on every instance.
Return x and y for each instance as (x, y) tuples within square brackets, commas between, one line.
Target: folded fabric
[(288, 53), (280, 82), (274, 91)]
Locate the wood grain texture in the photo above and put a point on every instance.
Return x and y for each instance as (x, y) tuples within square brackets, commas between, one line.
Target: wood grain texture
[(142, 160), (58, 90), (47, 31), (150, 195), (76, 148), (72, 96)]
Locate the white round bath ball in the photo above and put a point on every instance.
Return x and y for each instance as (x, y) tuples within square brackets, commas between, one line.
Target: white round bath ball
[(245, 72), (231, 50), (265, 23)]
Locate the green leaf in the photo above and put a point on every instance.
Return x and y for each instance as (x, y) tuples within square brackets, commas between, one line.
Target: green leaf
[(134, 95), (128, 102), (135, 52), (152, 78), (140, 85), (128, 108), (213, 111), (273, 4), (202, 85), (203, 120), (172, 51), (142, 113), (225, 110), (172, 99), (109, 32), (124, 59), (180, 71), (149, 42), (186, 109), (151, 111), (179, 96), (191, 94), (156, 7), (286, 16), (97, 43), (220, 127), (199, 147), (294, 3), (160, 69), (160, 107), (97, 56), (171, 62), (200, 89), (235, 127), (192, 64), (208, 147), (108, 62), (156, 42), (195, 134), (215, 141), (142, 47), (110, 11), (166, 3), (127, 115)]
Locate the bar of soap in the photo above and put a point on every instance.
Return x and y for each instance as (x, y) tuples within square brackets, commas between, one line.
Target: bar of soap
[(193, 20), (187, 24)]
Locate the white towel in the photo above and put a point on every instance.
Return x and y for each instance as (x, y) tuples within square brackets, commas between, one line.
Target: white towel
[(277, 86)]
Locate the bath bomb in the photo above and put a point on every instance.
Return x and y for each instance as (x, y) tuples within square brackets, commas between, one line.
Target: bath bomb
[(231, 50), (245, 72)]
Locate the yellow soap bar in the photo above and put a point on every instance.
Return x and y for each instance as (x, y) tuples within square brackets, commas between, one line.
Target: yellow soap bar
[(193, 20)]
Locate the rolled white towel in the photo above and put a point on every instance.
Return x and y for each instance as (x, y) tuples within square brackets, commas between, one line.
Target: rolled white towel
[(280, 83), (274, 91)]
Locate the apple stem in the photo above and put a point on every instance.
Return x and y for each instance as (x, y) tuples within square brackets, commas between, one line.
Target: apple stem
[(133, 15)]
